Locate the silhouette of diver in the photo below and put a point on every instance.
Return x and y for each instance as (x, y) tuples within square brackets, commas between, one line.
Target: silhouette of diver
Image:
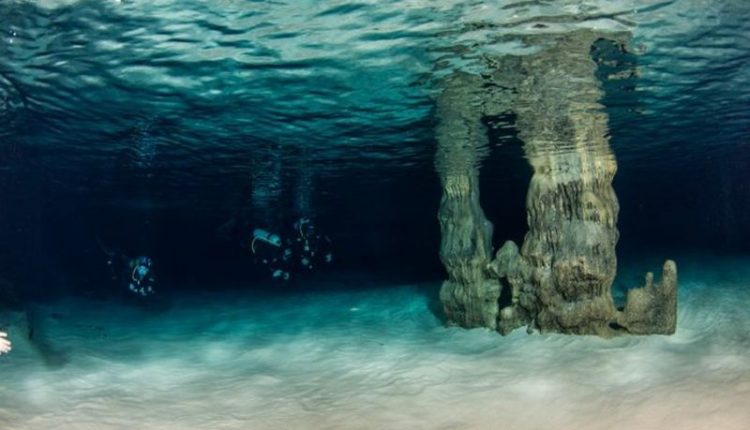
[(136, 274), (302, 249)]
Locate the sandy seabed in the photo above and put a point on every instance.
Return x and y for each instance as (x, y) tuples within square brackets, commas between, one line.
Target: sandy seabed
[(374, 359)]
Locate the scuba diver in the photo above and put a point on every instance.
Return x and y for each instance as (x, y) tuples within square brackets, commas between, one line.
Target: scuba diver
[(311, 247), (5, 345), (303, 249), (141, 279), (283, 252), (268, 251), (135, 274)]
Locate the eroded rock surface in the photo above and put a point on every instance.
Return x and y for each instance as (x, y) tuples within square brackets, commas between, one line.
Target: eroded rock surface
[(469, 295), (652, 309), (560, 278)]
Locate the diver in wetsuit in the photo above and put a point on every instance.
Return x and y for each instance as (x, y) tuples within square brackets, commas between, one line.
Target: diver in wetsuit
[(135, 274), (268, 250), (310, 247), (303, 249), (141, 279)]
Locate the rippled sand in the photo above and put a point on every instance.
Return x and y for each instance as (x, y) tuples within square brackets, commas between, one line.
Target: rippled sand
[(372, 360)]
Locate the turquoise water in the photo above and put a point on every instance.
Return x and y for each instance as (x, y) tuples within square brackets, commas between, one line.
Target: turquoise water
[(362, 356), (173, 129)]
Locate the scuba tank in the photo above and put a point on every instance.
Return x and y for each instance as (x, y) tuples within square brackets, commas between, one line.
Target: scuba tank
[(265, 236)]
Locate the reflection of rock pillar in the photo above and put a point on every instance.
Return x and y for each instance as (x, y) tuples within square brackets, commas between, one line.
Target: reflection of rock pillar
[(469, 297), (572, 209)]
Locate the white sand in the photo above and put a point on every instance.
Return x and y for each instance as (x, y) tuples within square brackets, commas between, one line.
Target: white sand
[(376, 360)]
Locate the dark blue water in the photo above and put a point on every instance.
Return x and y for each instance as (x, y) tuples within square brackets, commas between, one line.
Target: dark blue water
[(173, 129), (148, 127)]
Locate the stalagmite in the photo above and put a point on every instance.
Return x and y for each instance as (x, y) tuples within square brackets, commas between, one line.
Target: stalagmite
[(652, 309), (571, 206), (469, 296), (560, 279)]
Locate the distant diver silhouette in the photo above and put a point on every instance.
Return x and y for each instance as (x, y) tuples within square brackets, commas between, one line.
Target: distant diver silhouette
[(301, 249), (134, 273)]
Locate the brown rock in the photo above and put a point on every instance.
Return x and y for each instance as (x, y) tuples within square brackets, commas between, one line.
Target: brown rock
[(652, 309), (560, 279)]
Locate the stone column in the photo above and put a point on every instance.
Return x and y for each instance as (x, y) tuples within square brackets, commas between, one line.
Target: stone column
[(560, 279), (469, 296), (569, 250)]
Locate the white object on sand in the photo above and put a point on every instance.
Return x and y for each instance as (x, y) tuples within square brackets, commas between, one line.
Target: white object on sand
[(4, 343)]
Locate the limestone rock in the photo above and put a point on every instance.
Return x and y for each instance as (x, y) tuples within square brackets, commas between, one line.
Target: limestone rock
[(471, 305), (652, 309), (571, 206), (560, 279), (512, 271)]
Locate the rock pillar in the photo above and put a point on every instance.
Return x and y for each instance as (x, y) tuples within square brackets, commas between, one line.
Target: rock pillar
[(469, 296), (569, 249), (560, 279)]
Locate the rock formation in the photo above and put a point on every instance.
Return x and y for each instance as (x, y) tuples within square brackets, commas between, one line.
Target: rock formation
[(652, 309), (560, 279), (470, 297)]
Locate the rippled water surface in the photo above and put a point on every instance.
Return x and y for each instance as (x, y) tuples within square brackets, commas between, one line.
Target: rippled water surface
[(173, 129), (205, 93)]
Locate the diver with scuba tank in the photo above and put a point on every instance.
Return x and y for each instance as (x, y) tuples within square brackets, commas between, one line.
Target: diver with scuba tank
[(302, 249), (136, 274)]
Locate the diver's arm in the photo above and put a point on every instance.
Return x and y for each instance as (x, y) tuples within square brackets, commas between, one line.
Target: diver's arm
[(5, 346)]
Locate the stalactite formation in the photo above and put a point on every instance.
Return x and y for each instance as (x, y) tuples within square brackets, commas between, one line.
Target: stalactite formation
[(560, 278), (470, 297)]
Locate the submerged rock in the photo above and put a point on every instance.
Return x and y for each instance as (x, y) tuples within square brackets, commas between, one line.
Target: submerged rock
[(469, 295), (652, 309), (560, 279)]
